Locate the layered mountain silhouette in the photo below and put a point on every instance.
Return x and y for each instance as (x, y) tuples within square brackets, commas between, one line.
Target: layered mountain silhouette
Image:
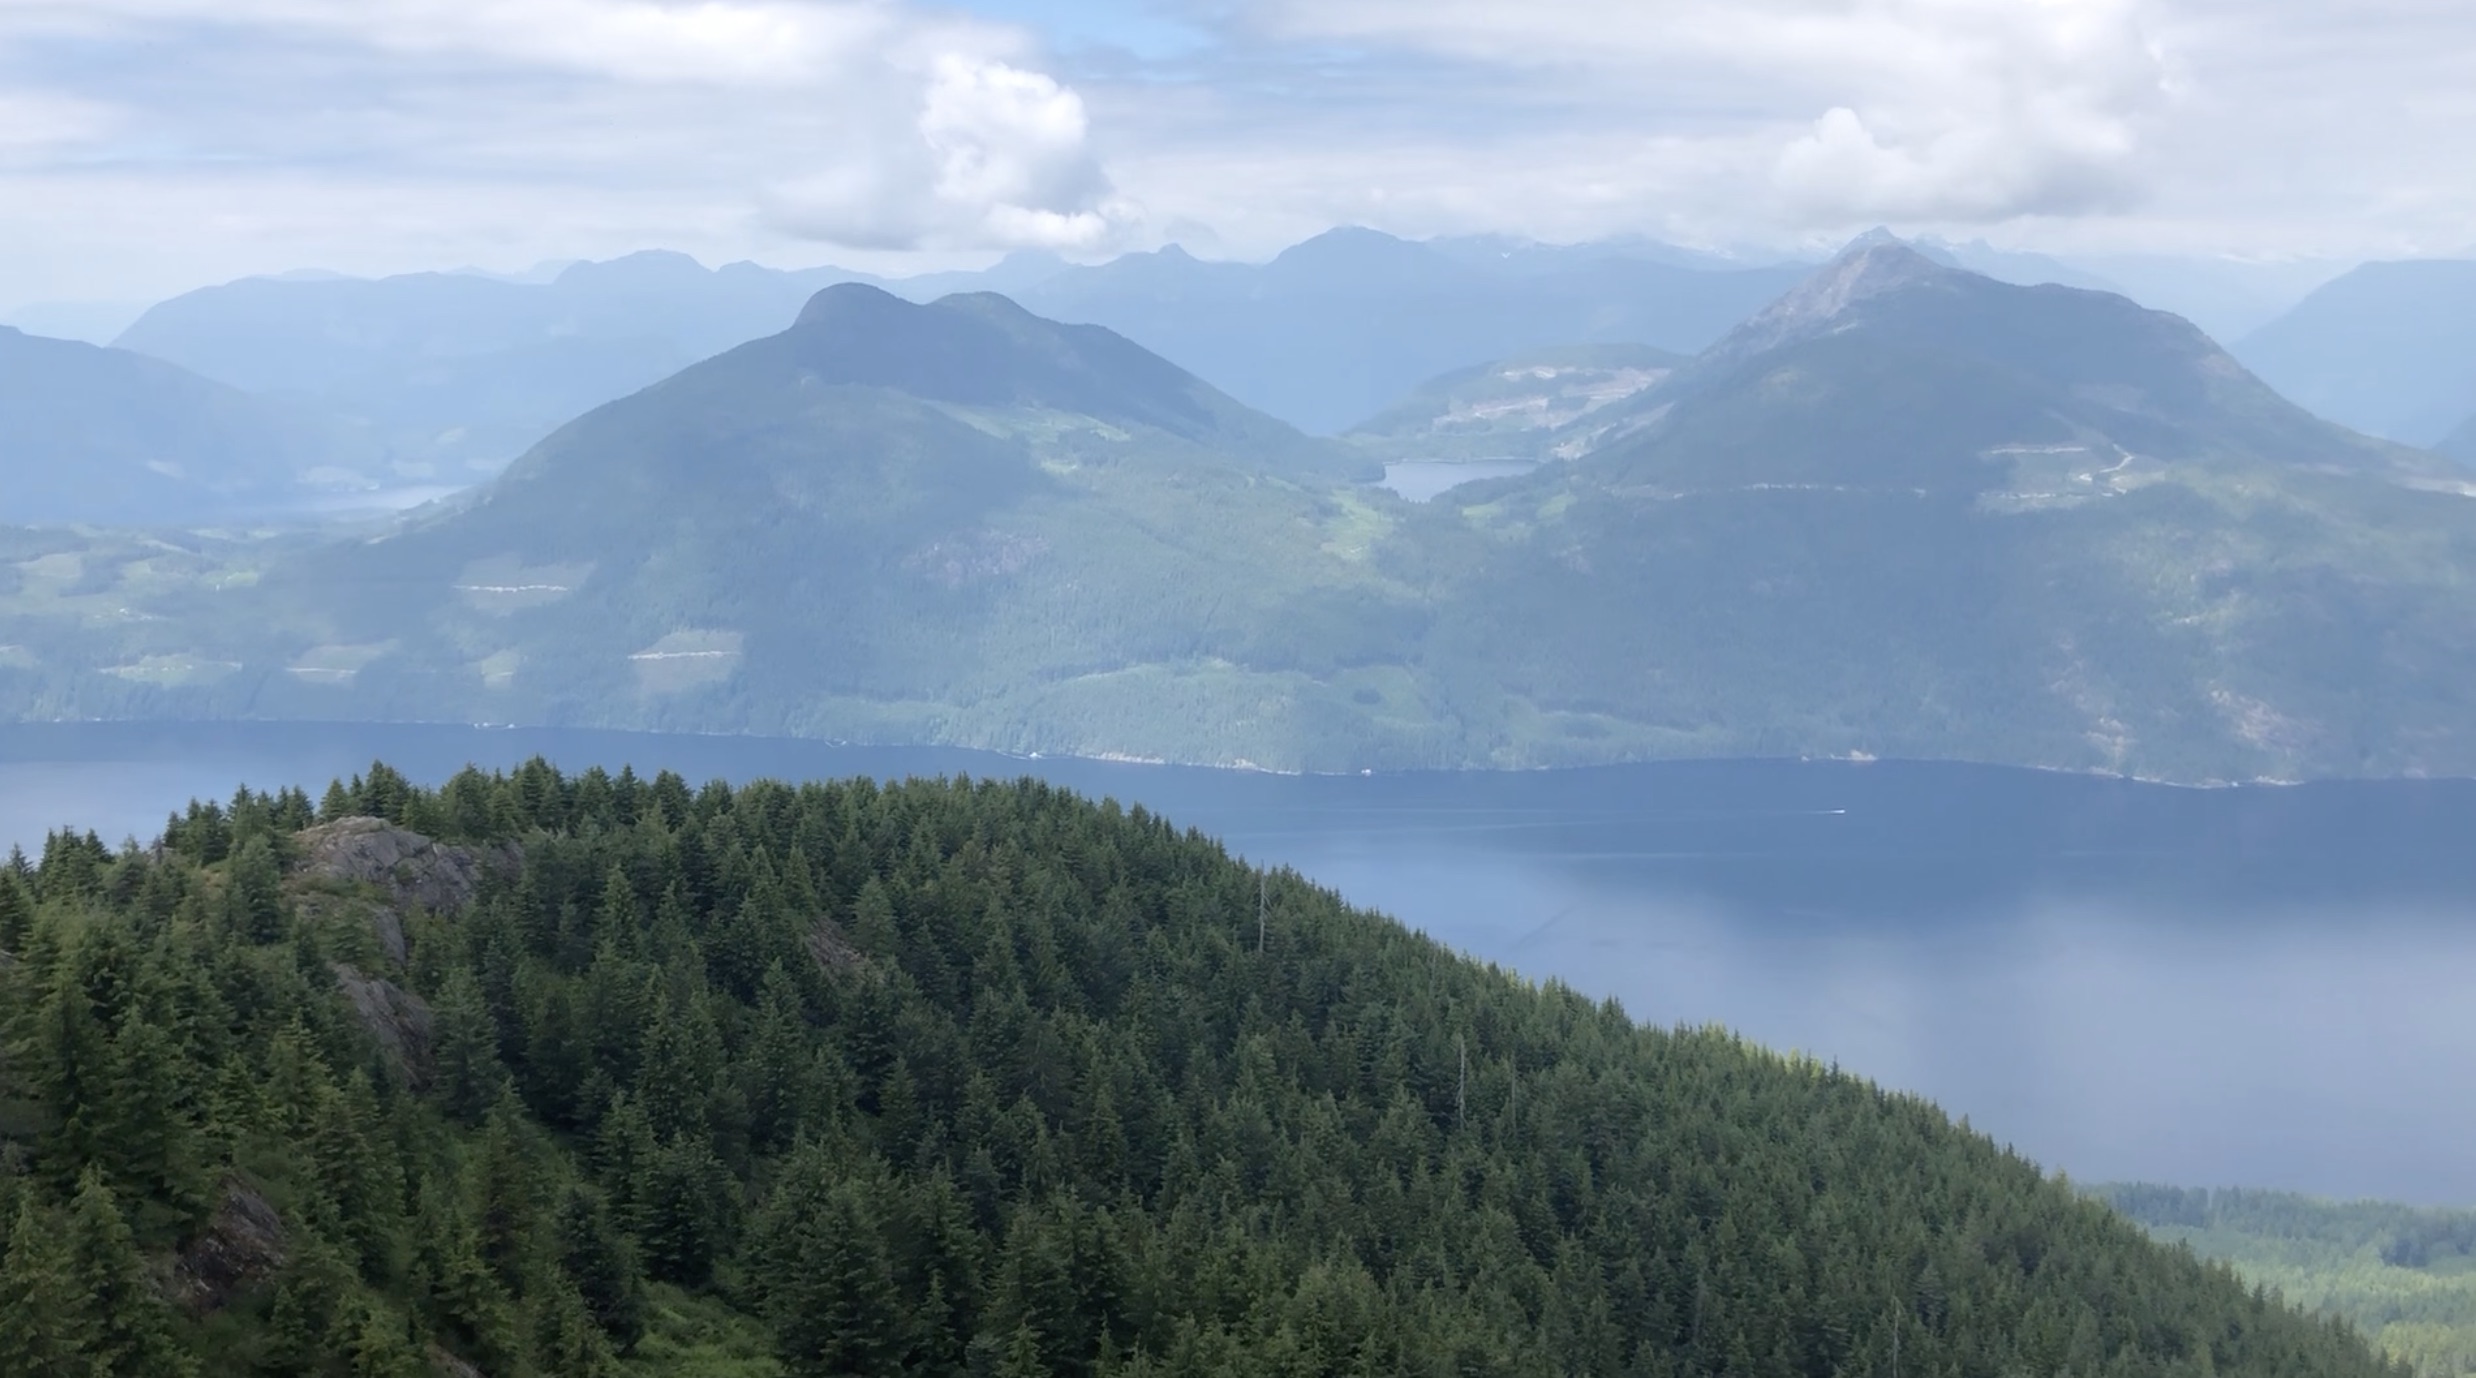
[(104, 435), (460, 373), (1335, 329), (2389, 349), (1906, 510), (456, 374)]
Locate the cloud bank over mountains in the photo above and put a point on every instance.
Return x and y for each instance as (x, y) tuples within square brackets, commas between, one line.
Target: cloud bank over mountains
[(1936, 110), (384, 135)]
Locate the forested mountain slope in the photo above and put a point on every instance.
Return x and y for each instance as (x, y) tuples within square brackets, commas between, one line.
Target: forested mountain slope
[(107, 436), (2405, 1275), (1905, 511), (1912, 511), (948, 1078)]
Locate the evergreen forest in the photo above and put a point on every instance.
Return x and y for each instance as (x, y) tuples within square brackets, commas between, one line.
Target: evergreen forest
[(2404, 1275), (595, 1075)]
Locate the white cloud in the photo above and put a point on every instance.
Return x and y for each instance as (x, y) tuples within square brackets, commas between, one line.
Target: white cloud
[(582, 126), (37, 122), (995, 155), (765, 41), (1944, 110), (1988, 112), (377, 135)]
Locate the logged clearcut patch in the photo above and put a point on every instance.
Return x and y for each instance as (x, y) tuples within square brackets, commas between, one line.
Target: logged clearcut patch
[(174, 669), (504, 583), (686, 660), (336, 664)]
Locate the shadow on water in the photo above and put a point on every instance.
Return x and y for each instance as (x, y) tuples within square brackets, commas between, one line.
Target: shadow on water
[(2256, 985)]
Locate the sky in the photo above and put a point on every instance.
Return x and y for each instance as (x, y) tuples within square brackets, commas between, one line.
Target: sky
[(147, 146)]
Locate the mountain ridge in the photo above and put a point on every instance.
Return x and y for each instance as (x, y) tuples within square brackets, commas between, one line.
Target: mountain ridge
[(1938, 516), (98, 435), (2387, 348)]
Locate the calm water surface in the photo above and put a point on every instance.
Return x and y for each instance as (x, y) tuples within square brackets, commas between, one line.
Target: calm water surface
[(1422, 480), (2272, 987)]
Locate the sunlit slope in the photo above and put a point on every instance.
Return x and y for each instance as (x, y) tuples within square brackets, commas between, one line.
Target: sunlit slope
[(1911, 511)]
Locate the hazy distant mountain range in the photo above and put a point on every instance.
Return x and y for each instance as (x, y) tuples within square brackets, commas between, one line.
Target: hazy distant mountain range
[(2389, 349), (458, 373), (434, 381), (453, 374), (1338, 328), (2460, 444), (105, 435), (1905, 510)]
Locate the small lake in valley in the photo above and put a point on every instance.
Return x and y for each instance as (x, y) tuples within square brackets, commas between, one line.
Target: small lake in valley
[(1422, 480), (2260, 986)]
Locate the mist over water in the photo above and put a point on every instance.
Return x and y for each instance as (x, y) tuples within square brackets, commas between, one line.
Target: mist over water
[(2263, 987)]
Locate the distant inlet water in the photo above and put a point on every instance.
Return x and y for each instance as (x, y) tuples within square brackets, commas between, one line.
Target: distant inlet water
[(2259, 986), (1423, 480)]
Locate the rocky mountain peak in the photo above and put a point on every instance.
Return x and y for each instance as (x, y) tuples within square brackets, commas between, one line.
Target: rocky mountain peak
[(1872, 267)]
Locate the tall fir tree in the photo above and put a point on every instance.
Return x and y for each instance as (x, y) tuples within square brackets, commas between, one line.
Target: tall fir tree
[(131, 1325), (49, 1330)]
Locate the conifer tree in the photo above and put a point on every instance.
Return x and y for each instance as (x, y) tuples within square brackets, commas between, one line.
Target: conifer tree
[(49, 1330), (375, 1345), (16, 913), (464, 1050), (461, 1299), (837, 1311), (143, 1139), (253, 892), (130, 1326), (306, 1319), (604, 1265)]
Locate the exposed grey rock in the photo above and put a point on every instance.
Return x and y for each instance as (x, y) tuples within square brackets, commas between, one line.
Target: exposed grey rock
[(380, 918), (834, 950), (243, 1244), (397, 1018), (412, 869)]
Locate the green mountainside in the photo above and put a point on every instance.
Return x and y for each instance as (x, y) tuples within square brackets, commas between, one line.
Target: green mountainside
[(1917, 512), (595, 1075), (104, 435), (2404, 1276), (1545, 404), (1905, 511)]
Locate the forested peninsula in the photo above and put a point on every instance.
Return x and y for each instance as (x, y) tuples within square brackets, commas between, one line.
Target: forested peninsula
[(593, 1075)]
